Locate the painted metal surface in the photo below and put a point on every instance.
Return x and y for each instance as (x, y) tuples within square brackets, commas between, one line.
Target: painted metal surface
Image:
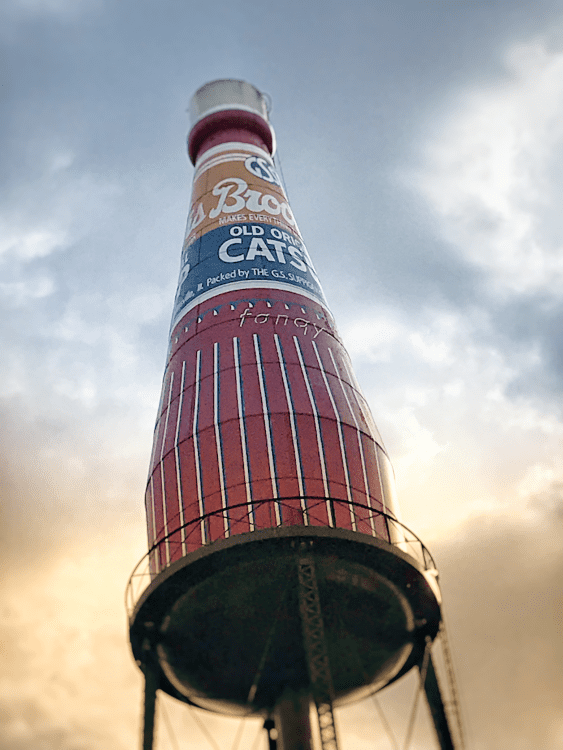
[(259, 401)]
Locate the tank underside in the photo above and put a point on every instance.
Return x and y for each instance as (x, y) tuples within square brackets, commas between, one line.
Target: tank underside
[(223, 625)]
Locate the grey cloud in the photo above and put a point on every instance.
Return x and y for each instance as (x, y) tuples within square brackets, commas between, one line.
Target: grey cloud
[(502, 587), (501, 580), (549, 503)]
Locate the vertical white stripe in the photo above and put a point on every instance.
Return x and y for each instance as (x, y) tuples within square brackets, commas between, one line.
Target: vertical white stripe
[(153, 516), (151, 472), (167, 543), (177, 455), (157, 426), (362, 403), (267, 428), (196, 445), (291, 412), (340, 437), (220, 465), (359, 436), (366, 413), (317, 428), (380, 475), (154, 443), (244, 447)]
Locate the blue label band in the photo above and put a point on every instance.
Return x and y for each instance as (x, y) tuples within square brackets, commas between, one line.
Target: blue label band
[(245, 255)]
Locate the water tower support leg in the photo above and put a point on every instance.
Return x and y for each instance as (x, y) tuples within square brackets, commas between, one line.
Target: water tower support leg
[(293, 723), (151, 686), (437, 708), (316, 651)]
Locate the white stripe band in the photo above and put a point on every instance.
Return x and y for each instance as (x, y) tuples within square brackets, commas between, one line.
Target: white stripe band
[(340, 436), (317, 428), (163, 489), (366, 413), (153, 517), (242, 429), (267, 425), (237, 286), (291, 411), (359, 436), (231, 146), (220, 465), (196, 445), (177, 456)]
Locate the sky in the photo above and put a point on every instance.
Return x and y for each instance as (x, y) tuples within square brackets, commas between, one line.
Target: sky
[(421, 144)]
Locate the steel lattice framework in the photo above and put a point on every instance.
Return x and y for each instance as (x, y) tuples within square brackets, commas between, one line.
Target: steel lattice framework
[(316, 651)]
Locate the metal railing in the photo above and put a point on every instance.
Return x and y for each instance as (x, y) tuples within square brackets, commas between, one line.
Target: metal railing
[(187, 538)]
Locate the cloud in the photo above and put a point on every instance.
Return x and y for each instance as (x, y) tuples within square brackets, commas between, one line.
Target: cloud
[(503, 588), (18, 293), (491, 172), (67, 678), (60, 8), (57, 207), (461, 438), (72, 531), (31, 244), (501, 580)]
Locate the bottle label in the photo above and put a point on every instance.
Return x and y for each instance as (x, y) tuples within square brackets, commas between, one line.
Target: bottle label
[(241, 233)]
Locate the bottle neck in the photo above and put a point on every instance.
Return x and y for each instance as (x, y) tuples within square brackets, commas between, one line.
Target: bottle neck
[(229, 126)]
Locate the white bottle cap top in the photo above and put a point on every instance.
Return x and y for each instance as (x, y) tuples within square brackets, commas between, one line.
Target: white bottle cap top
[(227, 93)]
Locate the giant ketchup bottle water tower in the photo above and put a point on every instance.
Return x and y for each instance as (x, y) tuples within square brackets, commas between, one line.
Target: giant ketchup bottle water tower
[(278, 576)]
